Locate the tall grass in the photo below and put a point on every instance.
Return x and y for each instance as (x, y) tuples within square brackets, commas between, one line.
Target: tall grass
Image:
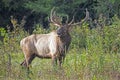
[(93, 55)]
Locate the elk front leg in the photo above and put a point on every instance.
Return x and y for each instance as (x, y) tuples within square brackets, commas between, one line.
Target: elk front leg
[(60, 61), (54, 61), (63, 57)]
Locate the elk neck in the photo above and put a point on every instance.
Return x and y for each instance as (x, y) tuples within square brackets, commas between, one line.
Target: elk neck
[(66, 40)]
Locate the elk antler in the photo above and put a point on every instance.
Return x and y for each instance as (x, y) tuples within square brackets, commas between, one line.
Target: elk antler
[(79, 23), (54, 18)]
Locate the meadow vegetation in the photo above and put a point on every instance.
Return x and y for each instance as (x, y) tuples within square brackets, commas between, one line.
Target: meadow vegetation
[(94, 54)]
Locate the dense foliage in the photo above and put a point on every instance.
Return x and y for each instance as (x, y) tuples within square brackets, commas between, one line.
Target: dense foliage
[(37, 11)]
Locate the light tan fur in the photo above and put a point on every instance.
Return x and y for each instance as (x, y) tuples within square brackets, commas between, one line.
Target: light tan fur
[(41, 45)]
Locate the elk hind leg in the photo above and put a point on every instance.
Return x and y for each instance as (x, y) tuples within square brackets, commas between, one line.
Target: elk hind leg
[(24, 63), (28, 60)]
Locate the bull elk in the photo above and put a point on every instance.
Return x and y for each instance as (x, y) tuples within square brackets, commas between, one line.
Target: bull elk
[(52, 45)]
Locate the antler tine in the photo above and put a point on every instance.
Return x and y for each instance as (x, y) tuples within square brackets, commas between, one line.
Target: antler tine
[(71, 21), (54, 18), (87, 14), (85, 19), (51, 15), (67, 20)]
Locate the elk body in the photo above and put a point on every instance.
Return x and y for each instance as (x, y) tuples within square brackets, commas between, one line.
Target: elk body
[(52, 45)]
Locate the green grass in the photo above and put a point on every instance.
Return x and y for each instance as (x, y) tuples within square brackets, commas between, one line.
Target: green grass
[(76, 67)]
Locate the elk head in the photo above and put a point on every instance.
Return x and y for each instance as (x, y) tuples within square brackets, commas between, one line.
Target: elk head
[(63, 29)]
